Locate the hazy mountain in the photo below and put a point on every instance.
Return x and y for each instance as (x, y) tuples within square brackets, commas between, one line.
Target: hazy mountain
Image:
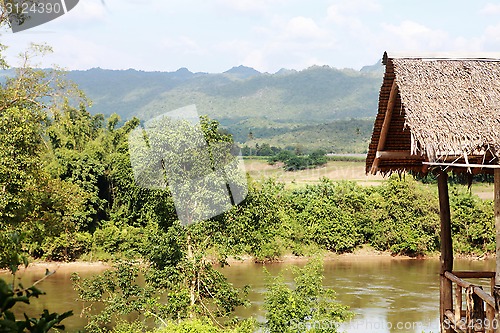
[(284, 71), (311, 108), (315, 95), (242, 72), (378, 67)]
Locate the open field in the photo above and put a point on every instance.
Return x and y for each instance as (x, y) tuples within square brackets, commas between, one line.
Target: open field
[(334, 170), (258, 168), (483, 190)]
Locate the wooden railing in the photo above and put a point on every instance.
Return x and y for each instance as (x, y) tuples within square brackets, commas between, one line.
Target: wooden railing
[(479, 315)]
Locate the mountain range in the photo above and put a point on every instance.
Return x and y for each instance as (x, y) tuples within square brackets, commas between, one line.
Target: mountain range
[(287, 107), (313, 95)]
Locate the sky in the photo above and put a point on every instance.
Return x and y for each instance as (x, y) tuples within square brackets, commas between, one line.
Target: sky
[(215, 35)]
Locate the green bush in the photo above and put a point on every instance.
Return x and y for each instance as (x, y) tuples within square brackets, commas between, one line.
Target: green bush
[(119, 239), (326, 217), (308, 303), (67, 247), (405, 217), (472, 222)]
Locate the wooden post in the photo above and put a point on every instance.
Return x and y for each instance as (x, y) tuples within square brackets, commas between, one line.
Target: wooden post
[(446, 293), (496, 292)]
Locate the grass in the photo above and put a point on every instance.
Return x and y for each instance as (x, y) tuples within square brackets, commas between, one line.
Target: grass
[(483, 190), (335, 170)]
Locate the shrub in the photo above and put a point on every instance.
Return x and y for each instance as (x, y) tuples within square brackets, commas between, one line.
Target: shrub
[(405, 217), (472, 222), (294, 310), (66, 247)]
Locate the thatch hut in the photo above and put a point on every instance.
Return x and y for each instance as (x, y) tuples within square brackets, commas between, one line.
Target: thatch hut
[(440, 114)]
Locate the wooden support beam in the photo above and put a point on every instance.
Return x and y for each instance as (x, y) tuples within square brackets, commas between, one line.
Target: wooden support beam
[(463, 165), (385, 126), (459, 326), (398, 154), (496, 201), (490, 316), (446, 259)]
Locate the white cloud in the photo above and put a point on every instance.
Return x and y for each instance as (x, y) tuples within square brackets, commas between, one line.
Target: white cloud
[(297, 42), (412, 36), (348, 12), (490, 9), (304, 27), (490, 39), (492, 33), (86, 12), (255, 59)]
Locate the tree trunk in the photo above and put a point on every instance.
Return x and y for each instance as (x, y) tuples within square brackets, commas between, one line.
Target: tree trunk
[(192, 283)]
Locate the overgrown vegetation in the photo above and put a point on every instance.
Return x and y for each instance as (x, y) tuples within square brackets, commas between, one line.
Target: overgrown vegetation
[(68, 192), (68, 187)]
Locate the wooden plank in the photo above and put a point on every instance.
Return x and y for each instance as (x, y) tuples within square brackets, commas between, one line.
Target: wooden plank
[(484, 296), (459, 326), (490, 319), (455, 279), (474, 274), (458, 303), (446, 258), (385, 126)]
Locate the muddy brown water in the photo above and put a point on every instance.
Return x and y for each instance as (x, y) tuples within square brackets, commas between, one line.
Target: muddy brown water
[(387, 294)]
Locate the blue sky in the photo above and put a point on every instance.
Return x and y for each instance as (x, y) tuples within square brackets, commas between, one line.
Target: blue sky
[(215, 35)]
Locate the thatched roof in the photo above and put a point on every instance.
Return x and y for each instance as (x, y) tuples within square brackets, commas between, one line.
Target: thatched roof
[(443, 110)]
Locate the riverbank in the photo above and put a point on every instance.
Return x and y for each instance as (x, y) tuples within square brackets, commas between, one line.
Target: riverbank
[(358, 255), (361, 254)]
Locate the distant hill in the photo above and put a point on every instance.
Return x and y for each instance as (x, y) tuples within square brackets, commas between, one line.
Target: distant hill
[(242, 72), (340, 136), (375, 68), (319, 107), (315, 95)]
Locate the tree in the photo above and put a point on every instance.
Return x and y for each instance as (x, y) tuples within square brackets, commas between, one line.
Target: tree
[(178, 267), (309, 307), (32, 203)]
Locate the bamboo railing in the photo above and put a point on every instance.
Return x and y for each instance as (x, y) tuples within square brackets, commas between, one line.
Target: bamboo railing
[(479, 314)]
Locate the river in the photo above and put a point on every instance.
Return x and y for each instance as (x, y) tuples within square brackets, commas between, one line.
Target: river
[(387, 294)]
